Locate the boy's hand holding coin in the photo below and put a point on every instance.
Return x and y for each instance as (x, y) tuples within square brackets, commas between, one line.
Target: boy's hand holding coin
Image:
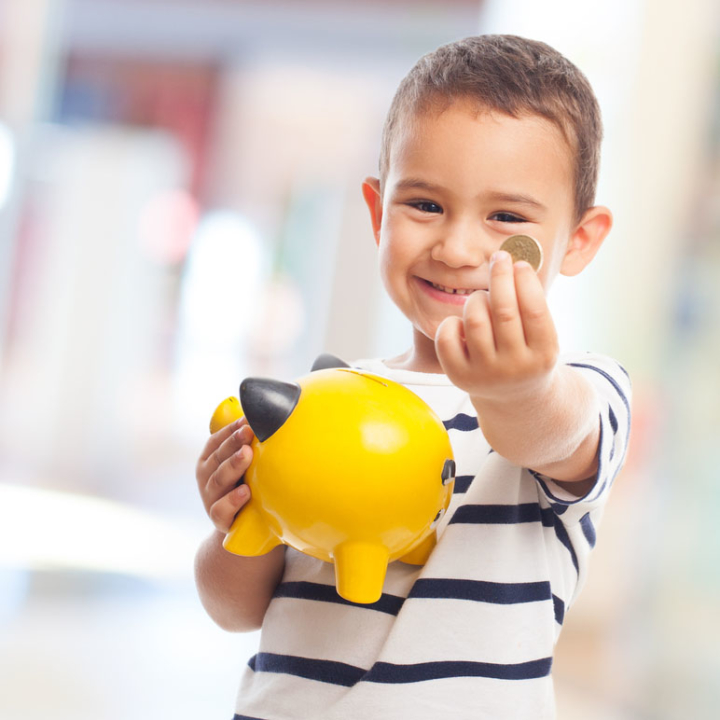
[(505, 346)]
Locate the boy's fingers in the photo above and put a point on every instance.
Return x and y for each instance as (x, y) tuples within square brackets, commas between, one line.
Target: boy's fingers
[(504, 310), (223, 512), (231, 445), (536, 319), (218, 438), (450, 344), (229, 473), (478, 327)]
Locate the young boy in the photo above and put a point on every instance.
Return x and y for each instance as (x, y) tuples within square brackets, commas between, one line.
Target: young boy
[(486, 138)]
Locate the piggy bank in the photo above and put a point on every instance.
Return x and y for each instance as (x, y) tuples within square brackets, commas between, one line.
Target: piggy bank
[(348, 467)]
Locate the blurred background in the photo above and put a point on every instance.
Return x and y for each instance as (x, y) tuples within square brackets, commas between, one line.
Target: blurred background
[(180, 207)]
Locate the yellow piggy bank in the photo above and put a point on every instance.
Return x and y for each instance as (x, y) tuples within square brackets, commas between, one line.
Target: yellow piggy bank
[(348, 467)]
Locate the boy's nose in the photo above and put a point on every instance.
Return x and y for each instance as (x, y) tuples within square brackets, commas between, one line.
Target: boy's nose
[(461, 246)]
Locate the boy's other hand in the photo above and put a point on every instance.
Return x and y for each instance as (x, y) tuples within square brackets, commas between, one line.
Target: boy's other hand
[(219, 471), (505, 345)]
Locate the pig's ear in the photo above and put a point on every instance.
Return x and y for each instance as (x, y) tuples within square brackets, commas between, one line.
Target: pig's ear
[(327, 361), (267, 404)]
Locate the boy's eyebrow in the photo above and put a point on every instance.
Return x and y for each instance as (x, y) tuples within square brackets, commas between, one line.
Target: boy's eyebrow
[(416, 184), (516, 198)]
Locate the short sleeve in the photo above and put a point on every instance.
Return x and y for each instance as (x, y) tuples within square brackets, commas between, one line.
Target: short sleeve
[(614, 390)]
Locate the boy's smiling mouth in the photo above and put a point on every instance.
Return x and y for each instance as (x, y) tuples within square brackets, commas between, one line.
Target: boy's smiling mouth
[(447, 293), (453, 291)]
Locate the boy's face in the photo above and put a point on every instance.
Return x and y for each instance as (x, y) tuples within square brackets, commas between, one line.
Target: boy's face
[(459, 183)]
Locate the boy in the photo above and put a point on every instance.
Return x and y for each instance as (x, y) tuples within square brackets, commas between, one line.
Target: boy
[(486, 138)]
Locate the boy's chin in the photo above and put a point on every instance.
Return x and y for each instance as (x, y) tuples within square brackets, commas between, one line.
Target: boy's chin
[(425, 329), (426, 333)]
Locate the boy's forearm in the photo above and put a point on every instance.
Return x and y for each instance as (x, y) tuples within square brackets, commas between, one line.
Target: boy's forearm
[(234, 590), (554, 431)]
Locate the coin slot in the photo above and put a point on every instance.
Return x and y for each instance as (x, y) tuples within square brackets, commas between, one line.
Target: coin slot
[(365, 375)]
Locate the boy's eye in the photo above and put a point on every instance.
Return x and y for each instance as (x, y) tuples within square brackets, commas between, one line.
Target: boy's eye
[(506, 217), (426, 206)]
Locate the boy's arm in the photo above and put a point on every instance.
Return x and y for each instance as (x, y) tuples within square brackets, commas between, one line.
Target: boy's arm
[(504, 353), (554, 431), (234, 590)]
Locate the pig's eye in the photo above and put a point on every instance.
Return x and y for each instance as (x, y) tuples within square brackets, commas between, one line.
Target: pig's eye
[(448, 472)]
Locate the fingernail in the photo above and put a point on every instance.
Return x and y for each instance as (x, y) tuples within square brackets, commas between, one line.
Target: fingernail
[(499, 256), (243, 491)]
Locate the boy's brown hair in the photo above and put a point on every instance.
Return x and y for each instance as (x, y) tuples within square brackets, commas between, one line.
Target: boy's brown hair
[(511, 75)]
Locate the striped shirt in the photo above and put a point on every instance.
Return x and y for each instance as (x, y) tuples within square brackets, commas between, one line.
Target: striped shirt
[(472, 633)]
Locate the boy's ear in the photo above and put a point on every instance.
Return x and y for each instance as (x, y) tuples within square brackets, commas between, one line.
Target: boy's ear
[(586, 240), (373, 198)]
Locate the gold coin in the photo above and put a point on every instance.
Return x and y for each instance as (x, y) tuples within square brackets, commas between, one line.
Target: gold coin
[(524, 247)]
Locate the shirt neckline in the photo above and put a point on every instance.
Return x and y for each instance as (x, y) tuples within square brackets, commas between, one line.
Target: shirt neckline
[(406, 377)]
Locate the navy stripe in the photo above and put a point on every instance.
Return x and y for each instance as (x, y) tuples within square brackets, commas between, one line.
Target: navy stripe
[(614, 425), (588, 529), (564, 538), (546, 489), (327, 671), (245, 717), (596, 492), (513, 514), (613, 419), (462, 422), (462, 483), (336, 673), (559, 606), (617, 387), (320, 592), (397, 674), (561, 506), (609, 378), (502, 514), (550, 519), (481, 591), (559, 509)]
